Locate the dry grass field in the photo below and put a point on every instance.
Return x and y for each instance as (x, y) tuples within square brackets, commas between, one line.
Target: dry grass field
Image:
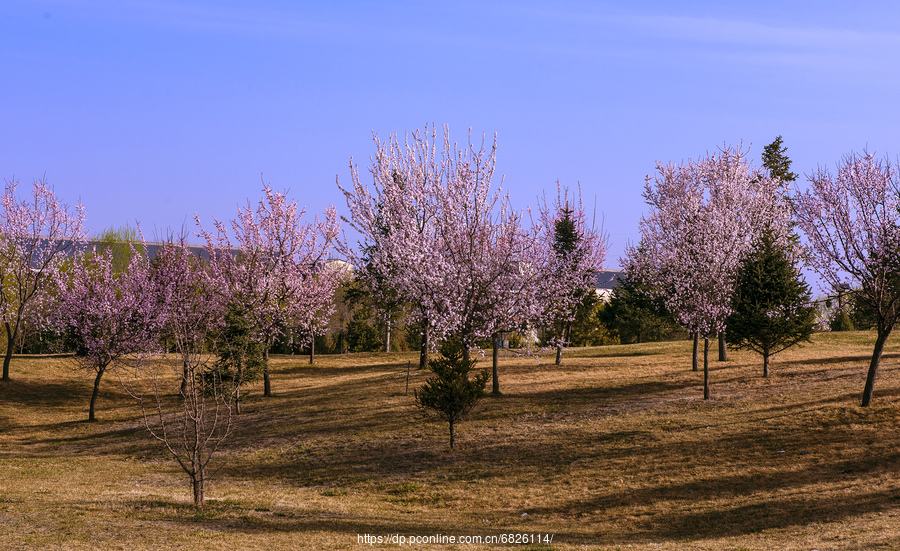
[(614, 450)]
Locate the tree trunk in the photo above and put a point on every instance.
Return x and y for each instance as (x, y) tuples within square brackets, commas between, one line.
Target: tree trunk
[(197, 486), (184, 377), (723, 348), (495, 372), (237, 398), (766, 363), (873, 366), (312, 349), (95, 393), (559, 347), (452, 435), (423, 352), (694, 353), (387, 337), (10, 345), (706, 368), (267, 385)]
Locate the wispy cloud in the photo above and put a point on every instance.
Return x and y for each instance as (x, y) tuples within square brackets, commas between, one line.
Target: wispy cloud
[(749, 33)]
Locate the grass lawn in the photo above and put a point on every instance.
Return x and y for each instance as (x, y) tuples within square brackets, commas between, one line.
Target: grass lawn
[(614, 449)]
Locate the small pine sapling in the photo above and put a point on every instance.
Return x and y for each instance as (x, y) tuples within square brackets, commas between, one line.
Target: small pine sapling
[(451, 393), (241, 357)]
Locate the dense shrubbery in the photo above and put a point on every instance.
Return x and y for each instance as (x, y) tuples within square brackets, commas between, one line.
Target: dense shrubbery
[(633, 315)]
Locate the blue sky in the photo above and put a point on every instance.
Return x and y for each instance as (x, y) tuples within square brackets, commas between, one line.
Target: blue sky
[(155, 111)]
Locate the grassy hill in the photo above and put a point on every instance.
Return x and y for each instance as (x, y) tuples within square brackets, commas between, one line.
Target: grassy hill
[(614, 449)]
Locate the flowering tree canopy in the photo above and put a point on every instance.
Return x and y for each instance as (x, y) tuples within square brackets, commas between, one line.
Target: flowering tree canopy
[(851, 221), (110, 315), (275, 263), (35, 235), (438, 228), (191, 301)]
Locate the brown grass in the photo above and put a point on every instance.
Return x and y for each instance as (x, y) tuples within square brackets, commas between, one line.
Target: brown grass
[(615, 449)]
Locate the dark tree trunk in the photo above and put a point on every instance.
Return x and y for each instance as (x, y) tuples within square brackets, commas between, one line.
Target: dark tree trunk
[(452, 435), (706, 368), (267, 385), (423, 352), (558, 354), (873, 366), (237, 398), (312, 350), (95, 393), (495, 372), (694, 353), (197, 486), (766, 363), (184, 377), (466, 353), (10, 345), (723, 348)]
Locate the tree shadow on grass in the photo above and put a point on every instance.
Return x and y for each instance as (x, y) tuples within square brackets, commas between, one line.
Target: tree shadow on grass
[(830, 360), (331, 371), (27, 392), (698, 490), (770, 514), (125, 439), (219, 516)]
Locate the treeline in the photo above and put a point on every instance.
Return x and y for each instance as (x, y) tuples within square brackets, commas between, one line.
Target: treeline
[(441, 263)]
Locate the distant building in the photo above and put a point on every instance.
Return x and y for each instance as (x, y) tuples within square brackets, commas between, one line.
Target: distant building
[(605, 282)]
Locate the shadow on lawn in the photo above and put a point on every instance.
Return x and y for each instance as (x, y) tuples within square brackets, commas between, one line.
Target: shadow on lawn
[(224, 516), (771, 514), (28, 392), (862, 359)]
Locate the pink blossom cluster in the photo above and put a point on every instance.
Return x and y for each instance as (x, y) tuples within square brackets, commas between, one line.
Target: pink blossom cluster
[(851, 221), (277, 264), (110, 314), (190, 299), (36, 234), (437, 227)]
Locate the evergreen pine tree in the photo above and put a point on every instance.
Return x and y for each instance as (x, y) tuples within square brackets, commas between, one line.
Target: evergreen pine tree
[(566, 240), (772, 303), (450, 392), (241, 356), (634, 315), (775, 159)]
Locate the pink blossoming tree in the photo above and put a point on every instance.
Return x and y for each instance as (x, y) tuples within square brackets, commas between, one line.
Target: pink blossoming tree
[(274, 262), (851, 221), (703, 219), (572, 253), (36, 234), (110, 315), (441, 232)]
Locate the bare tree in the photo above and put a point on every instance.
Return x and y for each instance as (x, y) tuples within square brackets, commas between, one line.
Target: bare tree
[(194, 427), (195, 430)]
